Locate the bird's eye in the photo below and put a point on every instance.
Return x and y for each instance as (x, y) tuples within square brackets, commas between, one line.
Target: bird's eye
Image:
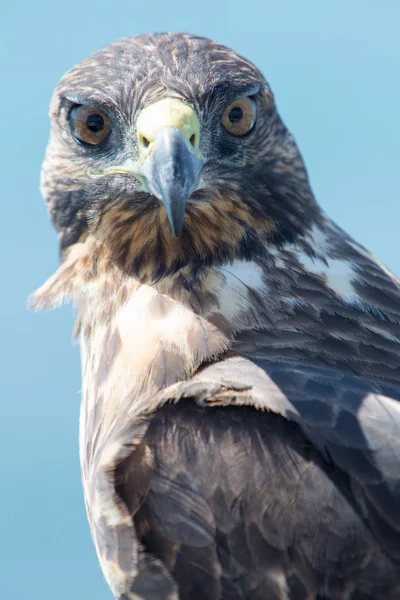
[(89, 125), (240, 116)]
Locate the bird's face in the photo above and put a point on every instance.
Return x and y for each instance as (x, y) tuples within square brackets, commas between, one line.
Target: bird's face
[(169, 149)]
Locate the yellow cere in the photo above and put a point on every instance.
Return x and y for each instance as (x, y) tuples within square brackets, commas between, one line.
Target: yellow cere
[(168, 112)]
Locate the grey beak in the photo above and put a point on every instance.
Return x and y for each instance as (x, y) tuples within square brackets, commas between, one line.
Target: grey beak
[(171, 172)]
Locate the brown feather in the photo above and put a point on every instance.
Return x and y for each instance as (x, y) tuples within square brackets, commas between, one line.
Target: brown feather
[(239, 428)]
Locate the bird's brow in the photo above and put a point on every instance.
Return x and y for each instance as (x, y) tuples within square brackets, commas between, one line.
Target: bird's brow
[(95, 100), (229, 89)]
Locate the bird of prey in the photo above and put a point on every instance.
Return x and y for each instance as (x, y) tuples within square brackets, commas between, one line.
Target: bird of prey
[(240, 420)]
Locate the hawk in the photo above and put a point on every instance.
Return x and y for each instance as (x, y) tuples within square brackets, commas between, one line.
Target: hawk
[(240, 420)]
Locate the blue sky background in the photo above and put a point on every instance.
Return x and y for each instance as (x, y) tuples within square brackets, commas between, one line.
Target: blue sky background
[(335, 71)]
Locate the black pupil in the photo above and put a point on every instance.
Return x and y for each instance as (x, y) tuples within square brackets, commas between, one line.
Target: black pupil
[(235, 114), (95, 123)]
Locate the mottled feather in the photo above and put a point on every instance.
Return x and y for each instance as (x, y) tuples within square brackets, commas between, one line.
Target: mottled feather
[(240, 422)]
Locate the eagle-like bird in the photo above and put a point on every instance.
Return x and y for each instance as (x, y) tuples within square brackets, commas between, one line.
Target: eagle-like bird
[(240, 421)]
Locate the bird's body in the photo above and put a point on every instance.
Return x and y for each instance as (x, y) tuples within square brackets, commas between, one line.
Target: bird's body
[(240, 424)]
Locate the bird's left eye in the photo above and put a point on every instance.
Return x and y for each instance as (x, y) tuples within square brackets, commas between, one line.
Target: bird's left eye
[(240, 116), (89, 125)]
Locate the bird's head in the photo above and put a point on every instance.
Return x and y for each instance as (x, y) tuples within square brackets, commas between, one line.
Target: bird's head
[(169, 148)]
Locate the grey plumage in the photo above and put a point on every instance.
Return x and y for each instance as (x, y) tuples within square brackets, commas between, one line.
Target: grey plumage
[(240, 402)]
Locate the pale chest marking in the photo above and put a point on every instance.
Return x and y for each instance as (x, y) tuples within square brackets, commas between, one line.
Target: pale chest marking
[(339, 273), (234, 285)]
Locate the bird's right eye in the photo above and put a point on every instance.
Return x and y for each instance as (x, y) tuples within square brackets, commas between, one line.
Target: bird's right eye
[(89, 125)]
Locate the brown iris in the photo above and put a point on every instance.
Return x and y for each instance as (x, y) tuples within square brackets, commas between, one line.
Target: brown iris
[(89, 125), (240, 116)]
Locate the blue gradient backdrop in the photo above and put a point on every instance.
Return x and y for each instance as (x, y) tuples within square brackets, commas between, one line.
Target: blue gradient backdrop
[(335, 71)]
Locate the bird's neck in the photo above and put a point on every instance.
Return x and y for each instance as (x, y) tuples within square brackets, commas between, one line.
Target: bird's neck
[(137, 338)]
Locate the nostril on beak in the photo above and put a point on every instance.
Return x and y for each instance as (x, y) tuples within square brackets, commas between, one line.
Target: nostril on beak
[(192, 139), (145, 142)]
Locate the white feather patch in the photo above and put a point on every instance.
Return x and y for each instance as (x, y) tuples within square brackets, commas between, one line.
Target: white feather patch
[(237, 283), (339, 275)]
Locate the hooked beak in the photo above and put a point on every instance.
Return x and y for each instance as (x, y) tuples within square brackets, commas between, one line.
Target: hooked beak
[(169, 161), (170, 173)]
